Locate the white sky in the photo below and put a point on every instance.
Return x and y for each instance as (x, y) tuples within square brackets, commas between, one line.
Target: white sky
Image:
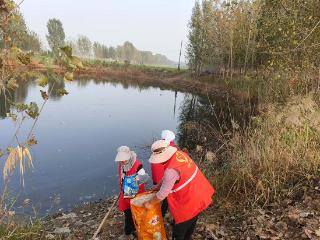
[(154, 25)]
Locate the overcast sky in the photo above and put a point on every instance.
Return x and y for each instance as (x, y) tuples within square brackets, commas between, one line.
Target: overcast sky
[(155, 25)]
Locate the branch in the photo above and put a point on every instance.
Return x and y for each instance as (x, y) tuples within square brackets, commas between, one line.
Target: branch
[(314, 28), (37, 118)]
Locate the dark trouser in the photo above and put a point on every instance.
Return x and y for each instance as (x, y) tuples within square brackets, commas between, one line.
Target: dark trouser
[(128, 222), (184, 230), (164, 207)]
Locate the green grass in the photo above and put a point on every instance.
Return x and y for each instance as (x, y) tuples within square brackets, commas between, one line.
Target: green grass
[(46, 60), (21, 232), (108, 63), (138, 67)]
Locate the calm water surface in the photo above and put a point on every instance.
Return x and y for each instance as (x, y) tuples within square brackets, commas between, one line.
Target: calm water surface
[(78, 135)]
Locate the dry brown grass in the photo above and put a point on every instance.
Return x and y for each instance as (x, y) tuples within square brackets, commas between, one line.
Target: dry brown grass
[(17, 156), (276, 157), (15, 231)]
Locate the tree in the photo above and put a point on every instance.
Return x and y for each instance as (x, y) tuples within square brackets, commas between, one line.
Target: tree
[(119, 53), (105, 51), (56, 35), (195, 47), (84, 46), (128, 51), (112, 53), (289, 33), (21, 36), (100, 50), (31, 42), (146, 57), (222, 35)]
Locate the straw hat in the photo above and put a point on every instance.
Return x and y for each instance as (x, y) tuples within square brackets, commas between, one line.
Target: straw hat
[(168, 135), (123, 154), (161, 151)]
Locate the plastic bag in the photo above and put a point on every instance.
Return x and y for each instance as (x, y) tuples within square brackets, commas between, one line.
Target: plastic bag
[(130, 186), (148, 222)]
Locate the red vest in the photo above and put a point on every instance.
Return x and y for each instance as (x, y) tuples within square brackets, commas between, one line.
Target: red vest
[(124, 203), (157, 169), (192, 193)]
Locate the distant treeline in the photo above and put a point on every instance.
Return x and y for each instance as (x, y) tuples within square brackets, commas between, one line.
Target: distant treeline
[(238, 35), (125, 53), (28, 40)]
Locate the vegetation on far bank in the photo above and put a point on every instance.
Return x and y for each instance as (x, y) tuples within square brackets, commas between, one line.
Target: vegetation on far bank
[(49, 60)]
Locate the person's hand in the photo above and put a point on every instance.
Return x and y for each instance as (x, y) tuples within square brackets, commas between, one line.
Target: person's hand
[(154, 189)]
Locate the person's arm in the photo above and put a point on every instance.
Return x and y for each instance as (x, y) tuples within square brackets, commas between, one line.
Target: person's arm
[(169, 179)]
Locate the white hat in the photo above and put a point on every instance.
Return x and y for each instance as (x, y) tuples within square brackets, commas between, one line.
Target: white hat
[(168, 135), (161, 151), (124, 154)]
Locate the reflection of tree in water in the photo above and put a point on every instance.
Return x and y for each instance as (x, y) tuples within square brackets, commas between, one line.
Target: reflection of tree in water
[(54, 84), (203, 119), (5, 103), (82, 83), (19, 95), (125, 83)]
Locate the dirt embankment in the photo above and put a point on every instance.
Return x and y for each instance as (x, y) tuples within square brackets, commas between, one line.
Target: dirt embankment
[(173, 80)]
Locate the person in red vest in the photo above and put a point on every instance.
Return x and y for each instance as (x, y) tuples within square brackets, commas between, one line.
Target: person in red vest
[(132, 177), (157, 169), (186, 188)]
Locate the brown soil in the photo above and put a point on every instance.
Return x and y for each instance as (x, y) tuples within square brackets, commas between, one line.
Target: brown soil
[(291, 219)]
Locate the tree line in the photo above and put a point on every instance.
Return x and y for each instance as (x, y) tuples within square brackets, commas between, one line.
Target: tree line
[(21, 36), (239, 35), (28, 40), (126, 52)]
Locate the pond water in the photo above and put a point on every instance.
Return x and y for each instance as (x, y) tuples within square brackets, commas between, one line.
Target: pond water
[(78, 135)]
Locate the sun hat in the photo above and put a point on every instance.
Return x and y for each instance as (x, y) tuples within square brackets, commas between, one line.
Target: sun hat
[(123, 154), (168, 135), (161, 151)]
